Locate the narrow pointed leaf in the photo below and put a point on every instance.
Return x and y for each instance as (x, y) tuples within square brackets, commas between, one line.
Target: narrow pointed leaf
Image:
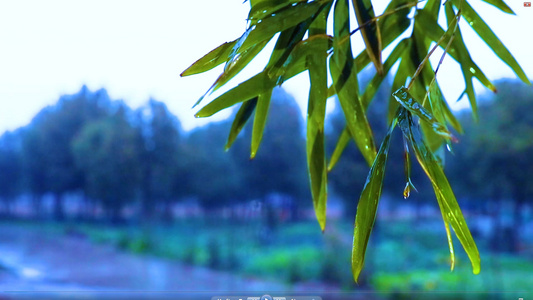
[(212, 59), (448, 233), (460, 47), (263, 9), (284, 19), (407, 165), (450, 207), (458, 50), (368, 204), (407, 101), (488, 36), (245, 91), (344, 75), (500, 5), (242, 116), (261, 113), (316, 158), (370, 32), (237, 64)]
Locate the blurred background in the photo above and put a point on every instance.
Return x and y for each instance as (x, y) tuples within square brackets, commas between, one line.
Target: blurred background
[(95, 195), (108, 183)]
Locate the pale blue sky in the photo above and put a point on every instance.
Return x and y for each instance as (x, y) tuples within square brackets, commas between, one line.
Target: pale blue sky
[(137, 49)]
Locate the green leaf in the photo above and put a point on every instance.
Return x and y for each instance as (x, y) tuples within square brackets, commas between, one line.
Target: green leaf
[(407, 165), (316, 159), (500, 5), (448, 233), (233, 67), (344, 75), (369, 30), (488, 36), (391, 27), (242, 116), (264, 8), (245, 91), (427, 25), (343, 141), (284, 19), (298, 59), (443, 191), (368, 204), (260, 118), (407, 101), (463, 53), (212, 59)]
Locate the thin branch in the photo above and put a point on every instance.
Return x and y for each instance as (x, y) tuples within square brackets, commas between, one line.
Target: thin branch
[(425, 60)]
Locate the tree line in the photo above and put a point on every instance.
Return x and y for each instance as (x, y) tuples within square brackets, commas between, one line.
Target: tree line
[(113, 156)]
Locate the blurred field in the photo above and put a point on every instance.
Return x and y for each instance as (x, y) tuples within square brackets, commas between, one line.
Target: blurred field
[(403, 257)]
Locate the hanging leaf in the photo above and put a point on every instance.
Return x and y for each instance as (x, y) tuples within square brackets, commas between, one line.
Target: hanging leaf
[(407, 165), (316, 112), (443, 191), (368, 204), (369, 30), (488, 36), (242, 116), (261, 112), (407, 101), (212, 59), (500, 5), (247, 90), (344, 75)]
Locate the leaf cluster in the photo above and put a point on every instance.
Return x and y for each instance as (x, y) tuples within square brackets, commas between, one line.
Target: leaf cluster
[(305, 43)]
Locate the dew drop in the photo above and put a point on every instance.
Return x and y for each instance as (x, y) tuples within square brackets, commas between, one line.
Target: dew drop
[(472, 71)]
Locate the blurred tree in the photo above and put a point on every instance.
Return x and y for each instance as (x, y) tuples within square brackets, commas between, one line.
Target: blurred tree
[(160, 154), (108, 152), (212, 177), (498, 153), (279, 168), (47, 153), (10, 169)]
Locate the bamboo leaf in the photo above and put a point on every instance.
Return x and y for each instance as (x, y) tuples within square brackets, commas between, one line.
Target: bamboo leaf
[(245, 91), (448, 233), (242, 116), (443, 191), (407, 101), (344, 75), (282, 20), (212, 59), (261, 112), (265, 8), (457, 51), (368, 204), (316, 159), (407, 165), (237, 64), (500, 5), (370, 32), (488, 36), (460, 47), (287, 40)]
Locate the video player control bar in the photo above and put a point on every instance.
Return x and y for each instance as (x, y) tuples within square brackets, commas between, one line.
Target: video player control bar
[(266, 297)]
